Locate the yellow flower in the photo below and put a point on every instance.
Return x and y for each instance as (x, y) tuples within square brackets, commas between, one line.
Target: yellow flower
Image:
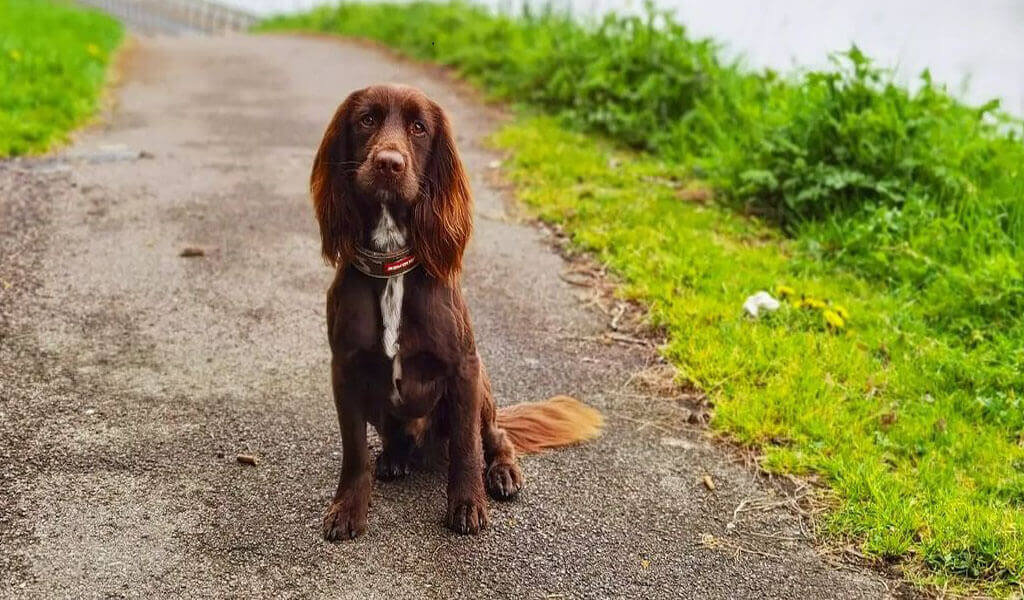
[(834, 320), (93, 49), (808, 302), (842, 312), (784, 290), (14, 54)]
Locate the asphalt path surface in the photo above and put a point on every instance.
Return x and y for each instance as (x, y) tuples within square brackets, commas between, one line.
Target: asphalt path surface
[(131, 377)]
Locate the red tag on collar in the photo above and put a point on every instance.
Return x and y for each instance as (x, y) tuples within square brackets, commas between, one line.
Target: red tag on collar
[(384, 265), (399, 264)]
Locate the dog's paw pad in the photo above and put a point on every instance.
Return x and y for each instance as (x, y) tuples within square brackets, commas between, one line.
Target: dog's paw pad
[(467, 517), (504, 480)]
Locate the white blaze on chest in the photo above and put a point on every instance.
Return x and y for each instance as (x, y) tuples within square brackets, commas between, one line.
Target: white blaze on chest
[(387, 236)]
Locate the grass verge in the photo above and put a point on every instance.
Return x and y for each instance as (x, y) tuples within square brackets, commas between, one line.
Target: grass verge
[(53, 64), (891, 221)]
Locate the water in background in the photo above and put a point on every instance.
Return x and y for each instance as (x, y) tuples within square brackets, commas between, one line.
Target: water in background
[(976, 47)]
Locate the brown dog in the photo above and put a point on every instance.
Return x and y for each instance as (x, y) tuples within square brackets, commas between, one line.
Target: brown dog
[(395, 214)]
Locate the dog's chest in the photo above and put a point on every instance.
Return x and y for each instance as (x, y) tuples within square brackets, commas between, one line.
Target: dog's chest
[(387, 236)]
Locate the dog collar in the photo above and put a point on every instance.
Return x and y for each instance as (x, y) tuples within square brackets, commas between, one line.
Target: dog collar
[(384, 265)]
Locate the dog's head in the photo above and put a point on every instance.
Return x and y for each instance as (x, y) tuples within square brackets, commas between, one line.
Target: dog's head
[(391, 144)]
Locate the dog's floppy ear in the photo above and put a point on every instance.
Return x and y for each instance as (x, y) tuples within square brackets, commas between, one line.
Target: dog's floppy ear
[(331, 186), (444, 215)]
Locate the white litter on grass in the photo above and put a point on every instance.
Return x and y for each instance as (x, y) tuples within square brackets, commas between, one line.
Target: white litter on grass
[(760, 301)]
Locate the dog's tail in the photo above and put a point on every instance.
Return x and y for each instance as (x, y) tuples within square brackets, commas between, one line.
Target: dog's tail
[(555, 422)]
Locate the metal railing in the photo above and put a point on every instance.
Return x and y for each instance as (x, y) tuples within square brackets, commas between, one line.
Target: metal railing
[(176, 16)]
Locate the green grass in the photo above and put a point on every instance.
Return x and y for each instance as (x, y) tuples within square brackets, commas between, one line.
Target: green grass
[(53, 63), (898, 215), (922, 466)]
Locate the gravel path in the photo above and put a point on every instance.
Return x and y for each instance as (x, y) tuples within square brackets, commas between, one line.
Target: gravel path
[(131, 377)]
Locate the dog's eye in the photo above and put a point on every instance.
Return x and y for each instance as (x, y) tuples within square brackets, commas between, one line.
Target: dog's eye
[(418, 128), (367, 121)]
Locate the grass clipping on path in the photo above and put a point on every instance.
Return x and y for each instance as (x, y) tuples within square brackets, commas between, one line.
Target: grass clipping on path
[(53, 64), (892, 222)]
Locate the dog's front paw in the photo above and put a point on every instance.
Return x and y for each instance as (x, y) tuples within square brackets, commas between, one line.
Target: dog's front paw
[(466, 516), (504, 480), (346, 517)]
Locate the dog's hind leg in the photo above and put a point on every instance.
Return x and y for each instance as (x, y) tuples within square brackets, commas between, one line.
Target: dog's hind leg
[(503, 477)]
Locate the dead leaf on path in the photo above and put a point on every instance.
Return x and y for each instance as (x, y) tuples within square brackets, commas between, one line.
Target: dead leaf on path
[(619, 311), (191, 252), (248, 459), (576, 281), (698, 416), (659, 379)]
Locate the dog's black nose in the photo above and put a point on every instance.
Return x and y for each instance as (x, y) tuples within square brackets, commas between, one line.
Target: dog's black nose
[(389, 161)]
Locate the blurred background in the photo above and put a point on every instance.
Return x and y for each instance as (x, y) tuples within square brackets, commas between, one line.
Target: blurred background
[(976, 48)]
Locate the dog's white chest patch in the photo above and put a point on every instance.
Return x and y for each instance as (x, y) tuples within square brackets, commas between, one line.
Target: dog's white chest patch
[(388, 237)]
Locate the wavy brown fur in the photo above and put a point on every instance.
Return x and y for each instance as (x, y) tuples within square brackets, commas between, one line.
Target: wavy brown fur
[(389, 150), (559, 421)]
